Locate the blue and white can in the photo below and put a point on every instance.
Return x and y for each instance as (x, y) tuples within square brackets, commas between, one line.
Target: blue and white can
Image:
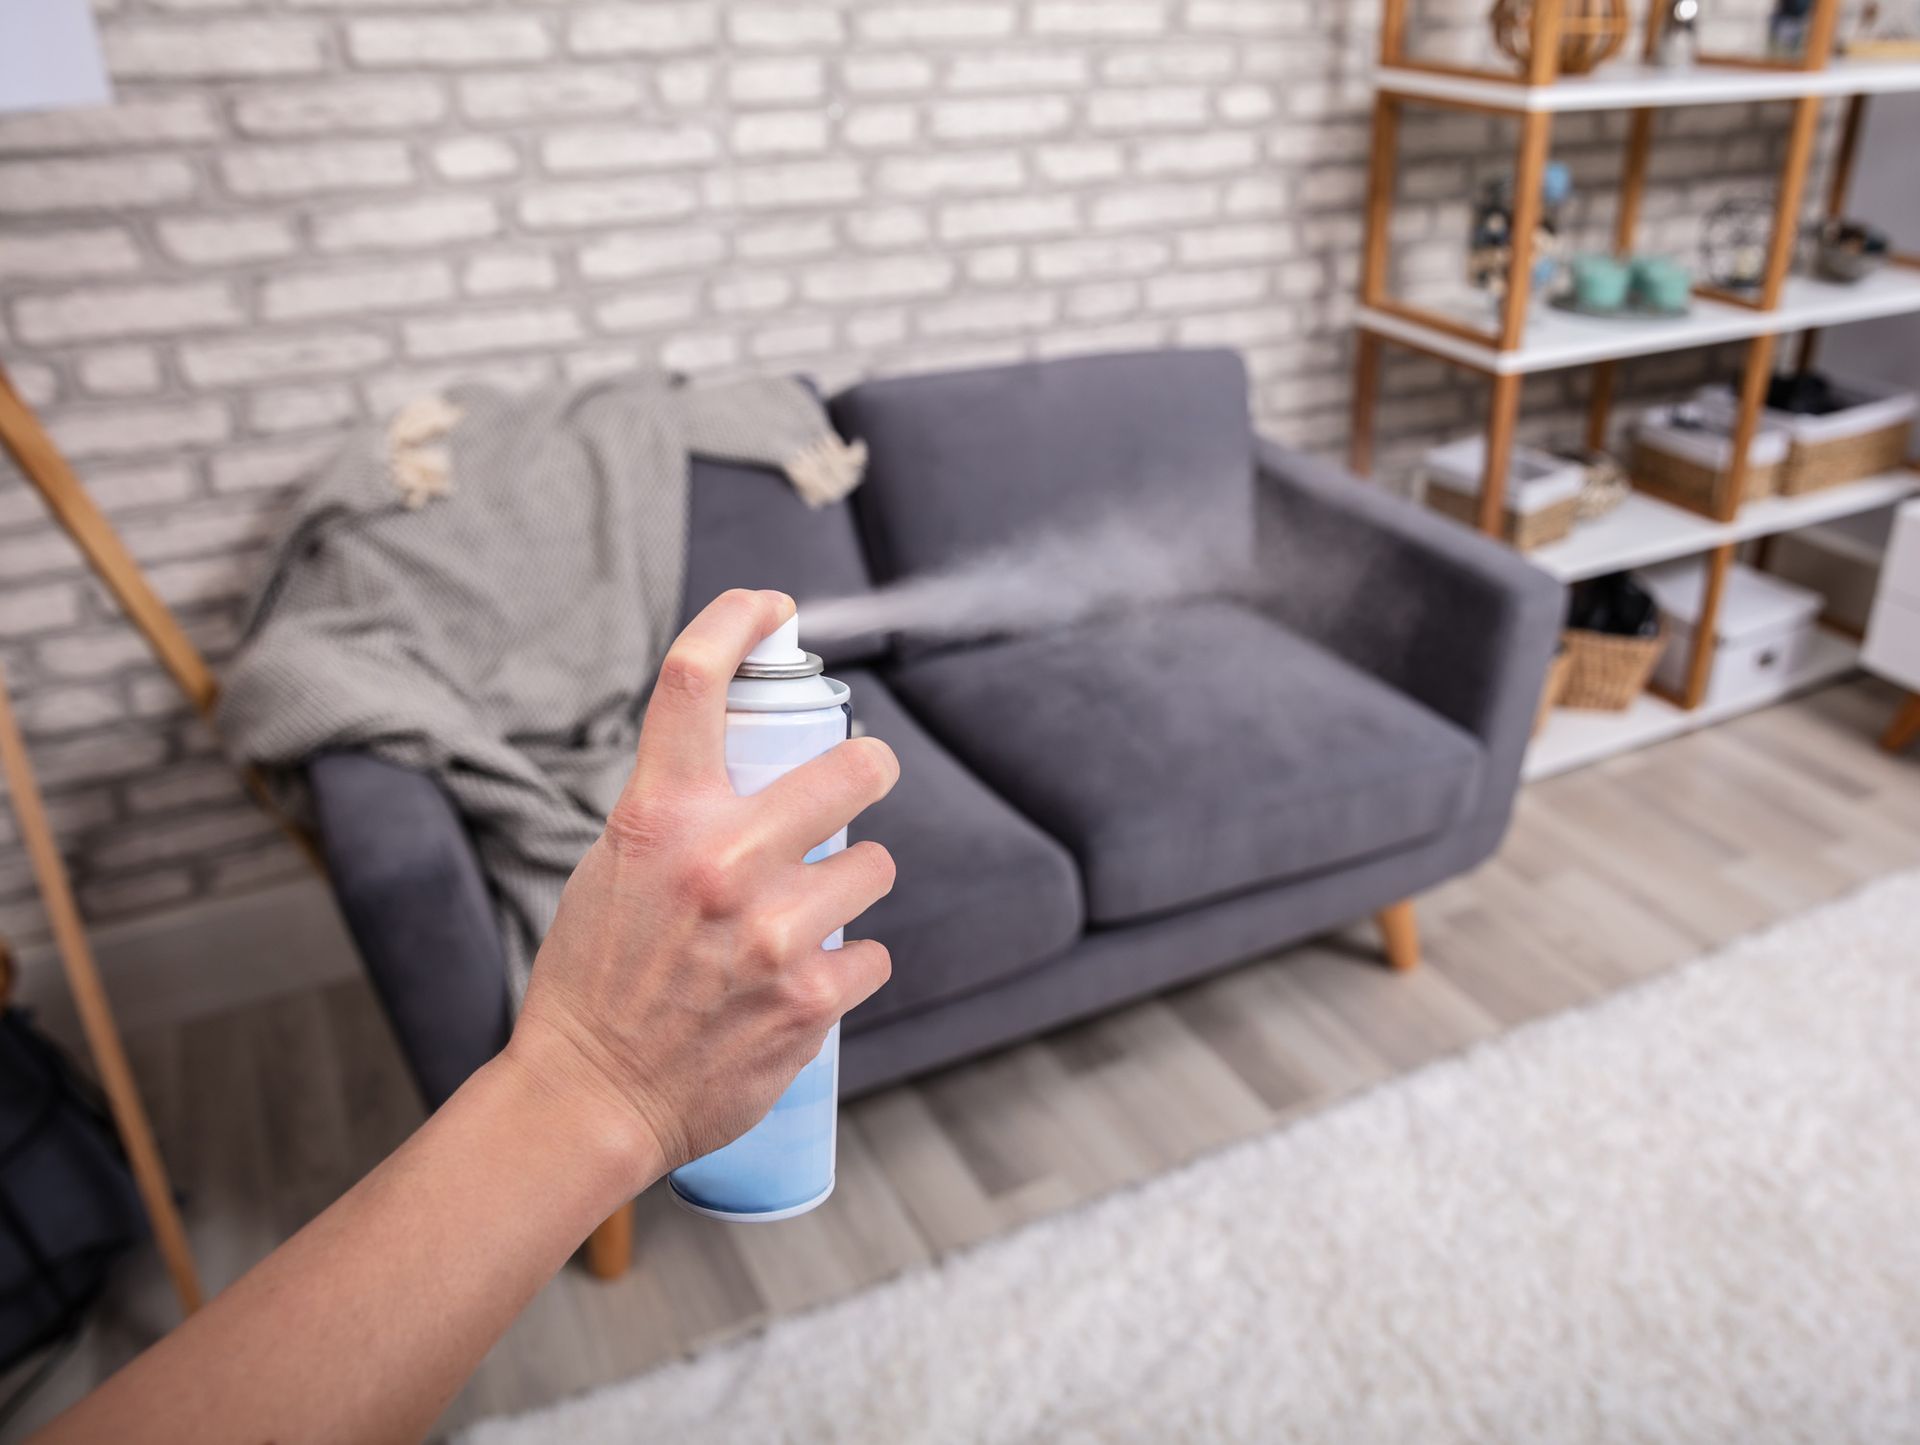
[(781, 712)]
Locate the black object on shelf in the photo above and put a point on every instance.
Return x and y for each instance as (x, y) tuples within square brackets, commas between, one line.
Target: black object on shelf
[(1613, 604), (1808, 393)]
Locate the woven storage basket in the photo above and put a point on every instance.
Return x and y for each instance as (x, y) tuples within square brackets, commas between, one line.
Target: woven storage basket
[(1693, 484), (1524, 530), (1606, 673), (1813, 465), (1685, 463)]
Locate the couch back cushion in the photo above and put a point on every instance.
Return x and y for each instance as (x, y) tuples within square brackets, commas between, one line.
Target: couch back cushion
[(747, 527), (963, 462)]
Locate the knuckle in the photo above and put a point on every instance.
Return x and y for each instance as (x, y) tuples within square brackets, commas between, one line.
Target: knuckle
[(710, 881), (634, 831), (811, 997), (774, 942), (688, 673)]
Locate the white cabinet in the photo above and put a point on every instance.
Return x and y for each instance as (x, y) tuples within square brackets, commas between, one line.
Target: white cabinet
[(1893, 631)]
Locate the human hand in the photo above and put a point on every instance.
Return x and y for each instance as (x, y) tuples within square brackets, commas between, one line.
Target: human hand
[(683, 985)]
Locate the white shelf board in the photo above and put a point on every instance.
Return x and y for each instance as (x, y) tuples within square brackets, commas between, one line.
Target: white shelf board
[(1631, 86), (1574, 738), (1557, 338), (1643, 530)]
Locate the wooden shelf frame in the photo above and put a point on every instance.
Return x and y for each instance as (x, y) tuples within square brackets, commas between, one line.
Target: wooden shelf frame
[(1534, 97)]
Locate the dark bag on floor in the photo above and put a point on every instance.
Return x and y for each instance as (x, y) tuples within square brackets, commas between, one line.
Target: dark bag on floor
[(68, 1206)]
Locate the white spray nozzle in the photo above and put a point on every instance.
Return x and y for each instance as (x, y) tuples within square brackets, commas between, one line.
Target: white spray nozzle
[(780, 647)]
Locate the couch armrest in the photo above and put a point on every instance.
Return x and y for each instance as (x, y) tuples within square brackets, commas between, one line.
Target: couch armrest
[(1462, 623), (410, 888)]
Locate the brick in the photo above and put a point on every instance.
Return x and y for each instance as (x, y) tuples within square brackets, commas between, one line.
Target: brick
[(216, 527), (877, 328), (812, 237), (408, 225), (339, 105), (90, 759), (214, 49), (136, 893), (1102, 256), (1265, 195), (1245, 102), (27, 610), (775, 82), (130, 122), (628, 148), (1097, 161), (979, 314), (1100, 17), (1152, 206), (649, 29), (574, 91), (270, 862), (750, 293), (1332, 188), (886, 74), (775, 187), (38, 187), (942, 175), (1235, 243), (130, 488), (995, 219), (1199, 290), (37, 385), (645, 310), (685, 84), (778, 343), (66, 255), (120, 371), (784, 26), (300, 295), (506, 273), (1093, 340), (1001, 117), (1103, 300), (224, 240), (878, 280), (606, 203), (269, 466), (1196, 155), (473, 332), (136, 845), (778, 132), (1151, 109), (206, 579), (621, 257), (599, 362), (305, 170), (449, 42), (1169, 62), (474, 158), (54, 711), (889, 228), (1250, 17), (699, 351), (273, 358), (113, 311), (1018, 70), (300, 408), (880, 127), (994, 266), (929, 22)]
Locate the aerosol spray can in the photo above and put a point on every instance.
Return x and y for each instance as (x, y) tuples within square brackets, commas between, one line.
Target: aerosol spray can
[(781, 712)]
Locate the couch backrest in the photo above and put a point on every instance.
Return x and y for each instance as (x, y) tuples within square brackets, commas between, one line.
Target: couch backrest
[(747, 527), (961, 462)]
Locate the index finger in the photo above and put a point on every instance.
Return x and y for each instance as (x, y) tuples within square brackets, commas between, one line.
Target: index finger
[(683, 738)]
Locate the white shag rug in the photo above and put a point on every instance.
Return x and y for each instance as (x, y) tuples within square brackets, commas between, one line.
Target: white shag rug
[(1688, 1213)]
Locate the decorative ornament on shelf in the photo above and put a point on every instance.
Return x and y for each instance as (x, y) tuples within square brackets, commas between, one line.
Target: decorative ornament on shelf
[(1591, 32), (1787, 28), (1848, 251), (1679, 44), (1875, 37), (1491, 249), (1733, 248)]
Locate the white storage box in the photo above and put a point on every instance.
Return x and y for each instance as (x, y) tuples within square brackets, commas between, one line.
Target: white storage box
[(1863, 439), (1762, 637), (1543, 490)]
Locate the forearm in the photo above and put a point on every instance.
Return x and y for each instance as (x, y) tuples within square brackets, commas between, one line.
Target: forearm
[(368, 1321)]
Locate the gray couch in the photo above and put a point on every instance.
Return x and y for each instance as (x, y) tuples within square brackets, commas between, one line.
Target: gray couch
[(1088, 815)]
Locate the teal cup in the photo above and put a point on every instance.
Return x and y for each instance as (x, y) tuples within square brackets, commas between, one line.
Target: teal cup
[(1600, 283), (1662, 283)]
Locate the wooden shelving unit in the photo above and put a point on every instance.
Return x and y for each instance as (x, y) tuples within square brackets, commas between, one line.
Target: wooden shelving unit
[(1525, 341)]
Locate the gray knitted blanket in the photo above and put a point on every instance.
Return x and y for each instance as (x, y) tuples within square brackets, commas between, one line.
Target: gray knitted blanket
[(484, 593)]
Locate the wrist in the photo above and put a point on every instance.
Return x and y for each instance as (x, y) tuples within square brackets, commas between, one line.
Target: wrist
[(612, 1144)]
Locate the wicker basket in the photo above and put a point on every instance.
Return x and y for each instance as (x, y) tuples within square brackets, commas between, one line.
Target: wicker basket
[(1591, 31), (1685, 464), (1524, 530), (1693, 485), (1606, 673), (1813, 465)]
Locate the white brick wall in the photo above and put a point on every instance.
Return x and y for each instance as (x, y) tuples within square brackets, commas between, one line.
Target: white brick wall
[(298, 214)]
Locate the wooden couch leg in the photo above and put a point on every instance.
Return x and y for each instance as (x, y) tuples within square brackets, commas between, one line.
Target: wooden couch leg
[(610, 1247), (1399, 935), (1905, 726)]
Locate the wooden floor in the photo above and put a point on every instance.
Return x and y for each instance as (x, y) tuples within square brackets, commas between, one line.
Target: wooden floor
[(1609, 875)]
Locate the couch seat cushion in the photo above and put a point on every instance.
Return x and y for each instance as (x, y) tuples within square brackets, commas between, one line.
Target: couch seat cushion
[(981, 892), (1194, 751)]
